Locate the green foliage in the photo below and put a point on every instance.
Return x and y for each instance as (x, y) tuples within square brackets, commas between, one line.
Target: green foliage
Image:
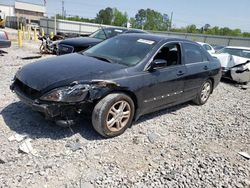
[(119, 18), (75, 18), (105, 16), (191, 29), (111, 16), (225, 31), (149, 19)]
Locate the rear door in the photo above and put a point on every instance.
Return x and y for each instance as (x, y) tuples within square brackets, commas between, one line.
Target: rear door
[(197, 65)]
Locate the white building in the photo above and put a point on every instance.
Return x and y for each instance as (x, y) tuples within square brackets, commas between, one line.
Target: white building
[(6, 10), (30, 11)]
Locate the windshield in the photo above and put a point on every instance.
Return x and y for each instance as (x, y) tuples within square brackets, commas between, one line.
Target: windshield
[(124, 50), (236, 52), (106, 33)]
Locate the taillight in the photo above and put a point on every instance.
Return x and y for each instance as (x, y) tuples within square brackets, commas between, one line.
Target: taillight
[(6, 35)]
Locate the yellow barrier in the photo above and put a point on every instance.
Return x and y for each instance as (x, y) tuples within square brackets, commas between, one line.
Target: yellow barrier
[(29, 36), (23, 30), (52, 35), (35, 35), (42, 32), (20, 40)]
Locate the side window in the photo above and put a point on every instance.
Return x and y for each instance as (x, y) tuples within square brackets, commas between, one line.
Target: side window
[(170, 53), (193, 53), (100, 35), (207, 47)]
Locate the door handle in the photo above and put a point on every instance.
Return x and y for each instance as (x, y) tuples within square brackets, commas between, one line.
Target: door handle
[(205, 67), (180, 73)]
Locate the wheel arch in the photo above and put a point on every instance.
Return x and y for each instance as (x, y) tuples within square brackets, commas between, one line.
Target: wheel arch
[(131, 94), (212, 80)]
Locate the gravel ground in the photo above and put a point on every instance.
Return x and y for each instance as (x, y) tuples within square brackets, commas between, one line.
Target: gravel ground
[(184, 146)]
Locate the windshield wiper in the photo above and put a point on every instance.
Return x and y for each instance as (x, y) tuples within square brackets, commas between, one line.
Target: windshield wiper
[(103, 58)]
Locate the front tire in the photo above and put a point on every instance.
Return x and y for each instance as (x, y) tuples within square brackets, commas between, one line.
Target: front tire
[(113, 114), (203, 93)]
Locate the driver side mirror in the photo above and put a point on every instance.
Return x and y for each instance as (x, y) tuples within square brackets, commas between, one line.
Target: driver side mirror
[(158, 63)]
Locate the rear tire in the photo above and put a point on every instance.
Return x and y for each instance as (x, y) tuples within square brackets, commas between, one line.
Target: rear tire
[(113, 114), (203, 93)]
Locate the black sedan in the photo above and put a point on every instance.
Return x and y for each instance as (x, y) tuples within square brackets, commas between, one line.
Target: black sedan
[(119, 80), (4, 40), (78, 44)]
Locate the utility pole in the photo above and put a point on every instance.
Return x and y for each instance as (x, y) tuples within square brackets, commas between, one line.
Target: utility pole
[(63, 9), (171, 20), (55, 25)]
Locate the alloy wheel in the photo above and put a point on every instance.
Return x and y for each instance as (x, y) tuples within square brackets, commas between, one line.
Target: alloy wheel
[(205, 92), (118, 116)]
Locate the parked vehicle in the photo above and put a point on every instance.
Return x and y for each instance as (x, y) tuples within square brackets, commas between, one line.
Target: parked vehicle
[(207, 47), (2, 22), (119, 80), (218, 47), (4, 40), (235, 63), (82, 43), (49, 46), (34, 26)]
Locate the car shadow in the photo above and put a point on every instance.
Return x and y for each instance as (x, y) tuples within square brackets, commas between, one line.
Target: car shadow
[(232, 83), (21, 119), (170, 110), (3, 52)]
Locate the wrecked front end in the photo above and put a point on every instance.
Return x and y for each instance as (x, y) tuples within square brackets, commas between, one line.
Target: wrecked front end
[(241, 73), (234, 67), (64, 104)]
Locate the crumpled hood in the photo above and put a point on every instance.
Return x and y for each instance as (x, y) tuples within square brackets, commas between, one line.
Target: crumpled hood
[(229, 61), (80, 41), (65, 69)]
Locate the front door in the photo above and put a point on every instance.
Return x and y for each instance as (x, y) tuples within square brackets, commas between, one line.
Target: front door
[(165, 84)]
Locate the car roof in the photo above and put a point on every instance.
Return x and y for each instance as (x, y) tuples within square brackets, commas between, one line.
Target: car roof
[(154, 37), (126, 30), (238, 47), (202, 43)]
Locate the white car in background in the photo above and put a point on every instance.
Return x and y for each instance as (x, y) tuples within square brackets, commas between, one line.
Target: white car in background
[(207, 47), (34, 26), (235, 63)]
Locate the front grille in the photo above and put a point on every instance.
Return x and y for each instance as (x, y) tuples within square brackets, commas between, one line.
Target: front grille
[(65, 49), (25, 90)]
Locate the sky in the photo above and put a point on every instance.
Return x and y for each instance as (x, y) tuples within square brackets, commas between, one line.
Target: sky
[(222, 13)]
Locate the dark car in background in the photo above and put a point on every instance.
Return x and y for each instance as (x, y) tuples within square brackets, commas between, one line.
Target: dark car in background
[(118, 80), (78, 44), (4, 40)]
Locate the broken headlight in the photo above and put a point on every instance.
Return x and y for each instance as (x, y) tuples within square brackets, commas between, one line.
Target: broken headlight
[(76, 93)]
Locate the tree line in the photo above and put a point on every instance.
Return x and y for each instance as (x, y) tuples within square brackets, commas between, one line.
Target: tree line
[(149, 19)]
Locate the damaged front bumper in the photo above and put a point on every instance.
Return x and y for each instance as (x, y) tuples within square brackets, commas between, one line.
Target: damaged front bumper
[(239, 73), (64, 114)]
